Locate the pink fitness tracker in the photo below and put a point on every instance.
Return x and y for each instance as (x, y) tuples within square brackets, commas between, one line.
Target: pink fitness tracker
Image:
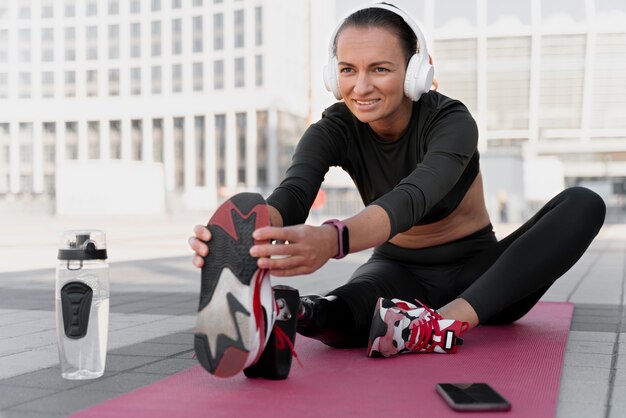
[(344, 237)]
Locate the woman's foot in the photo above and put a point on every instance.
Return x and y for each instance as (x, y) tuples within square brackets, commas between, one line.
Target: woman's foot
[(401, 327)]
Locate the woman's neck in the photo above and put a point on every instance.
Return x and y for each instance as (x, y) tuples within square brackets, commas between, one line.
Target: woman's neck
[(394, 126)]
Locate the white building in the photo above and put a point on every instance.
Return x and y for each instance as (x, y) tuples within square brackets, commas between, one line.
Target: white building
[(212, 91)]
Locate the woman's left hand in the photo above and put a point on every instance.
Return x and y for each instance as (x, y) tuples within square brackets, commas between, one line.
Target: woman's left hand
[(307, 248)]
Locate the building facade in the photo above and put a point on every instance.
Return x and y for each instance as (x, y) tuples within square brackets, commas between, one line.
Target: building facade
[(197, 86)]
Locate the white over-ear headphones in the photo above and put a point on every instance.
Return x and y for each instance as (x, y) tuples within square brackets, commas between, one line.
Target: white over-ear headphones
[(419, 72)]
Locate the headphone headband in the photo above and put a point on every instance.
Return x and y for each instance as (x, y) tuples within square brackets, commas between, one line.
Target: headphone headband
[(421, 39)]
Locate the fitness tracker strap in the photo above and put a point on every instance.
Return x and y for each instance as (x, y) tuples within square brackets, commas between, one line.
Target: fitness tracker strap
[(344, 237)]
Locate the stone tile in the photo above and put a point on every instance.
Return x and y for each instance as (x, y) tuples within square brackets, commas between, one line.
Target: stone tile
[(66, 402), (123, 382), (168, 366), (618, 394), (617, 411), (178, 338), (13, 395), (591, 336), (585, 374), (151, 349), (11, 413), (118, 363), (596, 327), (49, 378), (588, 360), (590, 347), (577, 391), (569, 409)]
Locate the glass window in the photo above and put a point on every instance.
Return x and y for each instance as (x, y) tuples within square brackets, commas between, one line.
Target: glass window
[(24, 9), (177, 78), (197, 3), (92, 8), (562, 74), (135, 81), (4, 85), (220, 149), (239, 29), (135, 40), (609, 82), (25, 45), (93, 140), (91, 78), (258, 25), (71, 140), (179, 153), (157, 140), (156, 5), (135, 7), (114, 82), (26, 148), (177, 36), (114, 7), (262, 148), (70, 84), (218, 31), (156, 38), (91, 44), (455, 13), (199, 131), (156, 79), (47, 84), (240, 74), (47, 9), (197, 33), (218, 74), (258, 70), (456, 70), (508, 82), (136, 139), (49, 143), (24, 86), (198, 76), (176, 4), (240, 132), (70, 44), (47, 44), (4, 45), (114, 41), (115, 139), (70, 8)]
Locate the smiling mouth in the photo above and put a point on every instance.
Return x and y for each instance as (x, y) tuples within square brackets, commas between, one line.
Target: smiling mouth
[(366, 102)]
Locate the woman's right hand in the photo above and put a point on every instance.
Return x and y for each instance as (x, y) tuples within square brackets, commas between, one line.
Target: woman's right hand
[(201, 233)]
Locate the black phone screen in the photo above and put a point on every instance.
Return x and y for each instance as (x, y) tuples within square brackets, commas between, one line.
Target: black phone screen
[(472, 396)]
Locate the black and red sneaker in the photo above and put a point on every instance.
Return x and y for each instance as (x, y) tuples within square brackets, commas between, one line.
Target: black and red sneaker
[(275, 362), (237, 308)]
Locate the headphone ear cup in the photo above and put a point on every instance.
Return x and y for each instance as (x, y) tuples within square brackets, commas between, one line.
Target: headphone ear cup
[(418, 78), (331, 78)]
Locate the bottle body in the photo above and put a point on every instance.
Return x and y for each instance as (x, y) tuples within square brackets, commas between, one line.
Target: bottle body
[(82, 317)]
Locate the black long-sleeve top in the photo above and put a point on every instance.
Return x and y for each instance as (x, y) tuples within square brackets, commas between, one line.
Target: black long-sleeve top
[(417, 179)]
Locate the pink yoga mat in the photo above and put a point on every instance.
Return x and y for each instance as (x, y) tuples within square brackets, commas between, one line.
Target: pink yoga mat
[(522, 361)]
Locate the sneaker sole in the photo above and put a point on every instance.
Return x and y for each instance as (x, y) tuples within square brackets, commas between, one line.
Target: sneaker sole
[(377, 330), (230, 324)]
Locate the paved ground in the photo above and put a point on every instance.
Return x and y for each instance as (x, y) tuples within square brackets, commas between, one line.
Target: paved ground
[(154, 295)]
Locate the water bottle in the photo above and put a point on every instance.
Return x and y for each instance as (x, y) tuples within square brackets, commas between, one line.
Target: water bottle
[(82, 304)]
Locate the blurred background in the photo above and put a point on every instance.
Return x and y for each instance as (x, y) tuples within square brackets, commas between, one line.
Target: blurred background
[(153, 108)]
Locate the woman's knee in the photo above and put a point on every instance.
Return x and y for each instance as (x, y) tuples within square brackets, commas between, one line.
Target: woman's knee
[(589, 206)]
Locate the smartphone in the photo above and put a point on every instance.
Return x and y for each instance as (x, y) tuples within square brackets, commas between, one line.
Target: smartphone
[(472, 397)]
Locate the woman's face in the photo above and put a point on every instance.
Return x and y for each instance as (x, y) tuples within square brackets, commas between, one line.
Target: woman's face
[(371, 79)]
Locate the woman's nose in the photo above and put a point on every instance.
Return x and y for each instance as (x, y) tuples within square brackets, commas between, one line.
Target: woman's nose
[(363, 83)]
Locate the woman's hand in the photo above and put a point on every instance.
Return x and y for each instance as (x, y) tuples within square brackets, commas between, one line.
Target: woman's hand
[(307, 249), (201, 233)]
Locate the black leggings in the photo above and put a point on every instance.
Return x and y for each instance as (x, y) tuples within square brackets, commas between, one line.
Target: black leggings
[(501, 280)]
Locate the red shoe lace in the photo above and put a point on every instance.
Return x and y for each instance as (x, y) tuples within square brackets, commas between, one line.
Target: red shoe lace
[(425, 327), (283, 340)]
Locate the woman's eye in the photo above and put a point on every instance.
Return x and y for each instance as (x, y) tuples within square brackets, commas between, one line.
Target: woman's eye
[(345, 70), (381, 70)]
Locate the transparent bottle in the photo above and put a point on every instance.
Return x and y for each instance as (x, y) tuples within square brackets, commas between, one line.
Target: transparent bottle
[(82, 304)]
